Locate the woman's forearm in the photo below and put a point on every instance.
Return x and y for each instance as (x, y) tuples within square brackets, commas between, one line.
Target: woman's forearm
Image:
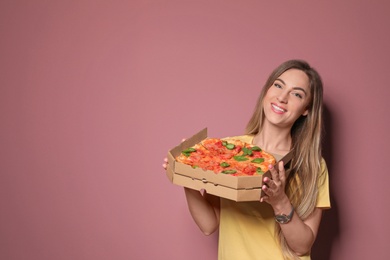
[(300, 235), (204, 210)]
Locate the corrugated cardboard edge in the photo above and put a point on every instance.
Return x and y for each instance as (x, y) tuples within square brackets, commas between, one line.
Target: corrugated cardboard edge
[(234, 182), (218, 190)]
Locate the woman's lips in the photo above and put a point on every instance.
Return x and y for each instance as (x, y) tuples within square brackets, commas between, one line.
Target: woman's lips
[(278, 109)]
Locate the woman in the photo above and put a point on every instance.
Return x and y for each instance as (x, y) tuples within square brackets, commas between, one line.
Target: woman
[(284, 223)]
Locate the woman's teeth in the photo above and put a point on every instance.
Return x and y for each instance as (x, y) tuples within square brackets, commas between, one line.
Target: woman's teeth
[(278, 108)]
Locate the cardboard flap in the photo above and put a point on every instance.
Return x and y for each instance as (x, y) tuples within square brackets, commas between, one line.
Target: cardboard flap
[(183, 145), (193, 140)]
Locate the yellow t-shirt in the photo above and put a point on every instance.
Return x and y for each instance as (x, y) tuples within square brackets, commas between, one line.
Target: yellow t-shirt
[(247, 229)]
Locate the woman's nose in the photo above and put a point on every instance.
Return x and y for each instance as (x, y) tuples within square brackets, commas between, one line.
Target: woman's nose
[(283, 97)]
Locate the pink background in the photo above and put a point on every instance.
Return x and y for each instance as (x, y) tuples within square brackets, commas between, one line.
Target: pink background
[(94, 93)]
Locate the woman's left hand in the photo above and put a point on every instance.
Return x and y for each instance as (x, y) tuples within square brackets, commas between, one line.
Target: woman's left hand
[(274, 188)]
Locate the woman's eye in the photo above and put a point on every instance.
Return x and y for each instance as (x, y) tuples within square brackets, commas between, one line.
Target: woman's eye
[(277, 85), (298, 95)]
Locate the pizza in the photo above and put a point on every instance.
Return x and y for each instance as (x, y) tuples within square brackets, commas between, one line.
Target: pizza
[(227, 156)]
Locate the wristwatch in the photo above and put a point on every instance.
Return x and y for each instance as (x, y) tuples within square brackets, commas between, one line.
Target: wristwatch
[(283, 219)]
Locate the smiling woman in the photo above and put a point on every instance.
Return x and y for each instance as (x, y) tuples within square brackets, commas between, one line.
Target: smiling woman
[(288, 116)]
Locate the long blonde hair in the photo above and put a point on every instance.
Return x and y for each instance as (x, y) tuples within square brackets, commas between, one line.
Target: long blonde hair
[(305, 168)]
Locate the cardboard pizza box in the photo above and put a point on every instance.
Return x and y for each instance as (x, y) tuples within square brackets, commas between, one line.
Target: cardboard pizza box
[(237, 188)]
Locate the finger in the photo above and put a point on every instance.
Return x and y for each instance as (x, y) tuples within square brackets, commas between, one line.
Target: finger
[(267, 190), (165, 164), (274, 173), (264, 199), (269, 183)]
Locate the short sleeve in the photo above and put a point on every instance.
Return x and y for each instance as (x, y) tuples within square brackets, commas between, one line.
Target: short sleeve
[(323, 199)]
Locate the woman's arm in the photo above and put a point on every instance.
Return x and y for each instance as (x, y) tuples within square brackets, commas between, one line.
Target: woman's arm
[(301, 243), (300, 235), (204, 209)]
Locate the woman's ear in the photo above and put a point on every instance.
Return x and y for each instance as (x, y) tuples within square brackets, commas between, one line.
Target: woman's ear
[(306, 112)]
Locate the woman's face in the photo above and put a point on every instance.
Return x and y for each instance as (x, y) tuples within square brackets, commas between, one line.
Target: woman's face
[(287, 99)]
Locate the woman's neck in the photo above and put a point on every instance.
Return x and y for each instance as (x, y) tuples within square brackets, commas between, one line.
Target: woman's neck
[(274, 140)]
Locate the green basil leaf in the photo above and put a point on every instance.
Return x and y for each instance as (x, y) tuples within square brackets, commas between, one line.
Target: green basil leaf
[(240, 158), (256, 148), (224, 164), (186, 154), (259, 171), (229, 171), (230, 146), (247, 151), (258, 160), (189, 150)]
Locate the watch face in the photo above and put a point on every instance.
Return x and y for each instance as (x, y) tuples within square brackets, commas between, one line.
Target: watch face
[(282, 219)]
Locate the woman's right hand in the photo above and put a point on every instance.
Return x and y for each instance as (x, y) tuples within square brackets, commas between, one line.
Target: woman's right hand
[(165, 164)]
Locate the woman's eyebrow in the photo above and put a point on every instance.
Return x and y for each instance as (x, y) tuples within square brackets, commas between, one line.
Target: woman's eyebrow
[(281, 81), (301, 89), (295, 88)]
